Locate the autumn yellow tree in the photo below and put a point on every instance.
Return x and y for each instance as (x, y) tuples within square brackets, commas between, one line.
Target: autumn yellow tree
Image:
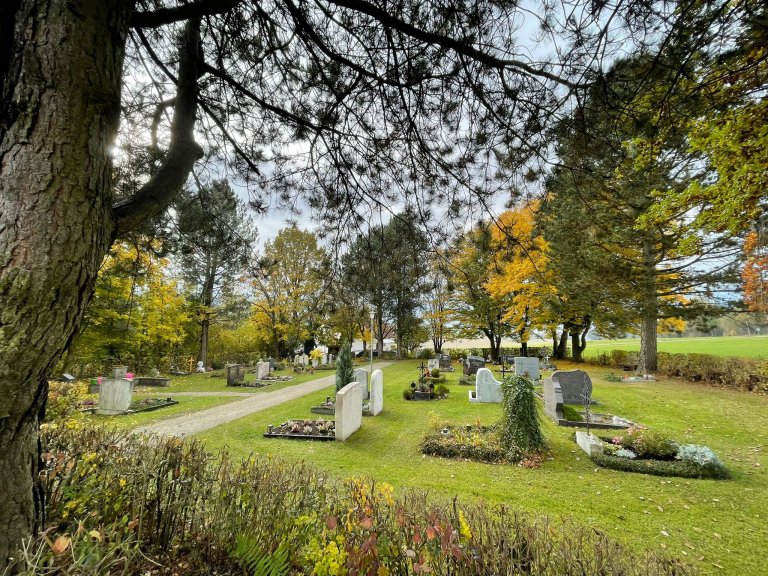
[(139, 315), (289, 286), (518, 271)]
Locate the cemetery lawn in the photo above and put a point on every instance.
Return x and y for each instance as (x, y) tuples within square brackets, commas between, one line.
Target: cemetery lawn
[(186, 405), (718, 526), (218, 383), (734, 346)]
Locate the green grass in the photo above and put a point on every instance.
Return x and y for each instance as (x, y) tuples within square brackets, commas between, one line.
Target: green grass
[(736, 346), (186, 405), (709, 523), (216, 382)]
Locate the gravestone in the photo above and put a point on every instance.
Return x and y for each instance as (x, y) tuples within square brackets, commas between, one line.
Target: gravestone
[(262, 370), (235, 374), (315, 363), (296, 360), (553, 399), (114, 395), (304, 360), (487, 388), (572, 385), (433, 363), (331, 359), (348, 410), (444, 361), (472, 364), (272, 363), (376, 403), (527, 367), (67, 378), (119, 371), (361, 376)]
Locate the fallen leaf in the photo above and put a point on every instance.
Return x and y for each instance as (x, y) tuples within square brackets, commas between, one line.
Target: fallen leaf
[(61, 544), (664, 533), (95, 534)]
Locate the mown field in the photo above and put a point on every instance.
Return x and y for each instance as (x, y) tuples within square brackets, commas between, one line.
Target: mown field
[(737, 346), (718, 526)]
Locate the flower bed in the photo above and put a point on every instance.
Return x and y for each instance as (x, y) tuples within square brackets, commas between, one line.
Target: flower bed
[(303, 429), (648, 452), (471, 442)]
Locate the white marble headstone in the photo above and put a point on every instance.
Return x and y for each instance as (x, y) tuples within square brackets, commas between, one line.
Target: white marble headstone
[(433, 363), (376, 403), (487, 388), (349, 410)]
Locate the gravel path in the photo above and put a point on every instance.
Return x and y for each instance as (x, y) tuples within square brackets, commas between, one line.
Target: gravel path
[(196, 422)]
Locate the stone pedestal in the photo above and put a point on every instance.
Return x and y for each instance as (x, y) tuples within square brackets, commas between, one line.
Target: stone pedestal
[(115, 396)]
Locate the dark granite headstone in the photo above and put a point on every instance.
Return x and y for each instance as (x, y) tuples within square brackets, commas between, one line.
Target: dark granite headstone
[(472, 364), (67, 378), (235, 375)]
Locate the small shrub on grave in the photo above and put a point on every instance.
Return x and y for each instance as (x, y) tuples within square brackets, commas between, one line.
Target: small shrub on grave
[(408, 393), (646, 443), (441, 391), (520, 426), (467, 380), (344, 368)]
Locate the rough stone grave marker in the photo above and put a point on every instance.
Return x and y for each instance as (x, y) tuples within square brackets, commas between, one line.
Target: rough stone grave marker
[(262, 370), (572, 385), (235, 374), (349, 410), (361, 376), (527, 367), (376, 403), (487, 388), (115, 393), (433, 363), (445, 362), (472, 364)]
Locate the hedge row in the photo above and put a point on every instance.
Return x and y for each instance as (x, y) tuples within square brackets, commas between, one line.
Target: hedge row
[(118, 502), (737, 373)]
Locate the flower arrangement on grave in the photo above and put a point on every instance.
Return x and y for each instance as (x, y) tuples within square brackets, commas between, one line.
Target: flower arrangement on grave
[(316, 354), (639, 449)]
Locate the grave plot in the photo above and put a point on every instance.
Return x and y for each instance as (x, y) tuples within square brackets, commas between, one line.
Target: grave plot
[(348, 411), (639, 449), (428, 387), (303, 430), (565, 392)]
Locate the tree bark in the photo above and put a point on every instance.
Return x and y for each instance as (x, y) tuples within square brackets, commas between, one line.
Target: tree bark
[(59, 107), (60, 82), (648, 361)]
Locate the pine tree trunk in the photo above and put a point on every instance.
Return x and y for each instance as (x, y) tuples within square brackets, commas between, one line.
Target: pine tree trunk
[(647, 361), (59, 104)]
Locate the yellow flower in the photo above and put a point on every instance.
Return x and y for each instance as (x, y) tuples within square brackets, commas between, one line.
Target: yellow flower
[(464, 530)]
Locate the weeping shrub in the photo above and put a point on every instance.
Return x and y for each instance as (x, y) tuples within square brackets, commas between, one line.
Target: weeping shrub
[(520, 427)]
